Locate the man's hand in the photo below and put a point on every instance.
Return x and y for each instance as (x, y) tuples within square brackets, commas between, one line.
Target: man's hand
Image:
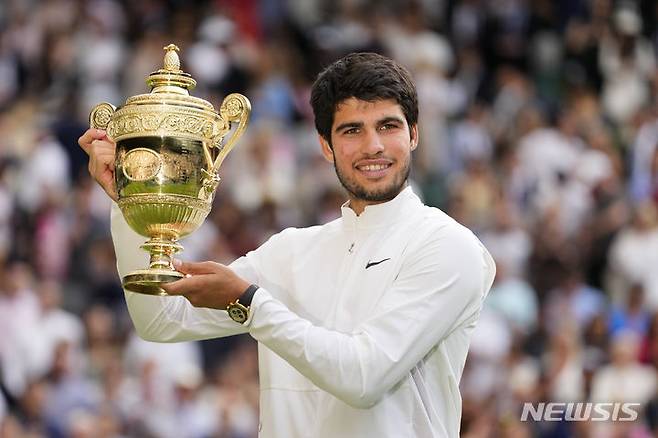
[(101, 159), (207, 284)]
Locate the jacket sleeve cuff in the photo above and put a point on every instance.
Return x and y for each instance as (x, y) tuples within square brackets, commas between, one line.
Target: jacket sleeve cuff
[(260, 297)]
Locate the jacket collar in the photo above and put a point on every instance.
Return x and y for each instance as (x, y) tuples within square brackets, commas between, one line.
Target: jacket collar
[(379, 215)]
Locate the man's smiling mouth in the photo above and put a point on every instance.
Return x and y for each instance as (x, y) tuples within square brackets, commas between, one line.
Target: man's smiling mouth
[(373, 167)]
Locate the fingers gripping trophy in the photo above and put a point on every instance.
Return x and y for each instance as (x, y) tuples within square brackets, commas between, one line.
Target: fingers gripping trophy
[(169, 147)]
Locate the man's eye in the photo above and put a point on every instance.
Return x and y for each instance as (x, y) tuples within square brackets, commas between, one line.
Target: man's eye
[(387, 126), (351, 131)]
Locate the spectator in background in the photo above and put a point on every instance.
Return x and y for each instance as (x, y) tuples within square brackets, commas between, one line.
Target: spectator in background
[(47, 171), (20, 349), (624, 379), (564, 365), (632, 316), (573, 302), (644, 155), (70, 394), (514, 299), (6, 211), (30, 411), (508, 242), (627, 62), (633, 256), (649, 348)]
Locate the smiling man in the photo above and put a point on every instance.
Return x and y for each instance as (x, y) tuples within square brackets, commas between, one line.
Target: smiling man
[(363, 323), (372, 157)]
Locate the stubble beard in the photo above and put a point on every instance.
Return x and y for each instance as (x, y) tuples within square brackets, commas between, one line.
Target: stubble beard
[(358, 191)]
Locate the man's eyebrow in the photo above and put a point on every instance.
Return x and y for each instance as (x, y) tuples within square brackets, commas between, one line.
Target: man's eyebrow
[(390, 119), (348, 125), (383, 121)]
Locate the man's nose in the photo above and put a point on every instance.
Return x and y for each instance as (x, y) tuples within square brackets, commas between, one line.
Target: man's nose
[(373, 142)]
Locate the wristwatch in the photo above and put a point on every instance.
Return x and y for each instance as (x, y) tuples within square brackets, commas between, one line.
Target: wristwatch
[(238, 310)]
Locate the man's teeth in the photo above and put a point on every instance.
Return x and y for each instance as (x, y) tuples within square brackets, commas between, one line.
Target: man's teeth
[(373, 167)]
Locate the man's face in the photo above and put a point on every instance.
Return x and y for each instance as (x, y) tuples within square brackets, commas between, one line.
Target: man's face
[(372, 145)]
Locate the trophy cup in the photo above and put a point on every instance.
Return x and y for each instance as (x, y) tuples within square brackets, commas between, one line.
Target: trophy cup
[(169, 146)]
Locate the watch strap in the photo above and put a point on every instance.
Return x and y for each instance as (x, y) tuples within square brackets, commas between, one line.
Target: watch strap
[(248, 295)]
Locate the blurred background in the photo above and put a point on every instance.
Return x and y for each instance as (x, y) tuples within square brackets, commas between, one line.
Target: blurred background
[(539, 126)]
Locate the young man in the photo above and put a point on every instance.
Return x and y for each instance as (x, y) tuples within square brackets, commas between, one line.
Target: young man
[(363, 323)]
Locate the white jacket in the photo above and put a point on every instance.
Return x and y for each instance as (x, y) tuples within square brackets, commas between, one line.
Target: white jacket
[(363, 323)]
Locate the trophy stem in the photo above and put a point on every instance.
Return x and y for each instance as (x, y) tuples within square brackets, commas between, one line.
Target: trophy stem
[(161, 269), (161, 251)]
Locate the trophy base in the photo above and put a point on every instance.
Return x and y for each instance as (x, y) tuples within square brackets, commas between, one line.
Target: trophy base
[(148, 281)]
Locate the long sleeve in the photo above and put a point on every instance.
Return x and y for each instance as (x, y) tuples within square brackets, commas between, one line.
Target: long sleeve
[(440, 288), (167, 319)]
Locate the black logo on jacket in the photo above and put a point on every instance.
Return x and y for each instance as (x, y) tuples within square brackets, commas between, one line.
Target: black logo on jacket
[(376, 263)]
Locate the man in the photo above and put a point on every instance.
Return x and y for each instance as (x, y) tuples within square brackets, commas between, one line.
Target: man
[(363, 323)]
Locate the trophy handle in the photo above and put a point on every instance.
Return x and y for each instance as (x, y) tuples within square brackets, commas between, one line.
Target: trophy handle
[(235, 108), (101, 115)]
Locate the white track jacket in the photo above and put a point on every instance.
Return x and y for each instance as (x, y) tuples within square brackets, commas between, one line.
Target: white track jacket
[(363, 324)]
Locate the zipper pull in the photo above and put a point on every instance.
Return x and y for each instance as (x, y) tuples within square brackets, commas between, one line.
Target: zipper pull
[(351, 249)]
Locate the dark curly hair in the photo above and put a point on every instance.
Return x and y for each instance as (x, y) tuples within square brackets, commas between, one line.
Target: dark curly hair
[(365, 76)]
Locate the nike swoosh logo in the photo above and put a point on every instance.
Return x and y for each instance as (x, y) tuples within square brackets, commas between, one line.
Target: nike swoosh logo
[(376, 263)]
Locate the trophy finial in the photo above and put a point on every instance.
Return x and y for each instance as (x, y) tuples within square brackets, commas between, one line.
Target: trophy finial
[(170, 78), (171, 60)]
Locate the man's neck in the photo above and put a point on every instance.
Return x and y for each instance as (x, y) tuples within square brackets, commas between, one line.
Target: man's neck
[(358, 205)]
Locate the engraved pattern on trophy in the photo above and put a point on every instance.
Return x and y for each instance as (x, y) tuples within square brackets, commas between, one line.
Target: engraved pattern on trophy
[(141, 164), (135, 121), (177, 166), (183, 100), (101, 115), (232, 107), (169, 147)]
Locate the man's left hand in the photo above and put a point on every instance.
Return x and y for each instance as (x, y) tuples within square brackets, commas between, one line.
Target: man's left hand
[(207, 284)]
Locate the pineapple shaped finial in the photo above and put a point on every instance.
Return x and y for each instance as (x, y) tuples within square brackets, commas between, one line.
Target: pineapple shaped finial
[(171, 61)]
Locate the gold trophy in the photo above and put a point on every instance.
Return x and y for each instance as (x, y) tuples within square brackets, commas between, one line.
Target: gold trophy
[(169, 146)]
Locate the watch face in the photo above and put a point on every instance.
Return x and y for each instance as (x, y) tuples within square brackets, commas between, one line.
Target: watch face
[(237, 314)]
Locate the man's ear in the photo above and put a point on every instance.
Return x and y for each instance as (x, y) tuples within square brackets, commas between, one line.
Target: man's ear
[(414, 136), (327, 152)]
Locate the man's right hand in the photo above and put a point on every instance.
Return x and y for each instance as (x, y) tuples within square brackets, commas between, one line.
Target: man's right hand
[(101, 159)]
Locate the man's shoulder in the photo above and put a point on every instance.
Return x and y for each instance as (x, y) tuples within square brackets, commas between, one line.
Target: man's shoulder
[(434, 220), (433, 227), (445, 235), (299, 234)]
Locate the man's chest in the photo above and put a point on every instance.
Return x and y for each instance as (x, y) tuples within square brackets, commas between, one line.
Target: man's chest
[(338, 285)]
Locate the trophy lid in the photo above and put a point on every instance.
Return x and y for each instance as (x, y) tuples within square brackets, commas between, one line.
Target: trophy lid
[(169, 109), (170, 83), (171, 78)]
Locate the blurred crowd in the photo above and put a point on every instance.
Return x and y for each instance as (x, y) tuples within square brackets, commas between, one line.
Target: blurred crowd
[(539, 131)]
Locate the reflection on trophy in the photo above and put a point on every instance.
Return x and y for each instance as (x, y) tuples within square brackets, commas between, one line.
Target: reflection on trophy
[(169, 146)]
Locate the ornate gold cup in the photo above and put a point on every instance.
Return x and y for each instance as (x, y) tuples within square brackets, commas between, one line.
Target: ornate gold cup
[(169, 146)]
